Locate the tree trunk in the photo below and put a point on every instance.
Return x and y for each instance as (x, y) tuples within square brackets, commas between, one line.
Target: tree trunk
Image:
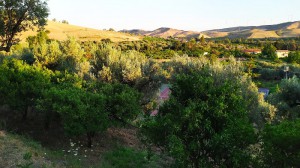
[(89, 139), (47, 124), (24, 117)]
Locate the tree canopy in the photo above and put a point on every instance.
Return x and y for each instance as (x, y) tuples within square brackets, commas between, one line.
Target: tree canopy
[(17, 16), (269, 51), (204, 124)]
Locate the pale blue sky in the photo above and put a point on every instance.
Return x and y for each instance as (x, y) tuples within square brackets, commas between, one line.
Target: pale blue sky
[(195, 15)]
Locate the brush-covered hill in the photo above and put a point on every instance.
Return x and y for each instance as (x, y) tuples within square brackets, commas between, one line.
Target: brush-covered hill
[(61, 31), (283, 30), (165, 32)]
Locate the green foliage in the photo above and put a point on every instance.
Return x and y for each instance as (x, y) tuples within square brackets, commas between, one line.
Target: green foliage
[(269, 51), (287, 99), (82, 112), (92, 110), (269, 74), (122, 102), (204, 124), (110, 64), (294, 57), (28, 163), (21, 84), (18, 16), (281, 144)]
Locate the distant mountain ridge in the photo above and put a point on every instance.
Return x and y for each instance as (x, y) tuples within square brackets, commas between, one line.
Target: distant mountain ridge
[(282, 30), (165, 32)]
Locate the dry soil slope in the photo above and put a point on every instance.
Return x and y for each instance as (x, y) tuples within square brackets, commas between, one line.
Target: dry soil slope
[(60, 31)]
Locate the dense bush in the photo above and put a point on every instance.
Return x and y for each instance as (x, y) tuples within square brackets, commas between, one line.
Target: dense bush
[(281, 147), (22, 84), (287, 99), (294, 57), (270, 74), (204, 124)]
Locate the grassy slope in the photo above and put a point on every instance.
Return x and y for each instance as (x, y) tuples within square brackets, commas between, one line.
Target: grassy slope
[(14, 147), (60, 31)]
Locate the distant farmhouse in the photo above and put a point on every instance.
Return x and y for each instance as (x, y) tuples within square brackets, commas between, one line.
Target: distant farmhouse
[(280, 53)]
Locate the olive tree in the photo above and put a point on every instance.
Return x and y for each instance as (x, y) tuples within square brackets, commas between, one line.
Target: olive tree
[(17, 16)]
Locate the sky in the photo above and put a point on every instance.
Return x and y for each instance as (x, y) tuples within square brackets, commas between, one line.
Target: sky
[(197, 15)]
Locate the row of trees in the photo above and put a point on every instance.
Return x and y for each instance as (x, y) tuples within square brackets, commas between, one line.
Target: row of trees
[(85, 107), (208, 120), (215, 117)]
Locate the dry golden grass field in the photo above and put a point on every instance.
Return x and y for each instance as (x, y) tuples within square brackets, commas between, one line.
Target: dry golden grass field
[(61, 31)]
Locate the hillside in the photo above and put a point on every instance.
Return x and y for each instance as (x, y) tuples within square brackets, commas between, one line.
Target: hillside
[(165, 32), (282, 30), (60, 31)]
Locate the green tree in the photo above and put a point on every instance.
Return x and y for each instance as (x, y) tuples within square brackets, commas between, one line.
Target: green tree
[(202, 39), (281, 144), (22, 84), (269, 51), (59, 80), (82, 112), (72, 55), (17, 16), (122, 103), (287, 99), (204, 124), (294, 57)]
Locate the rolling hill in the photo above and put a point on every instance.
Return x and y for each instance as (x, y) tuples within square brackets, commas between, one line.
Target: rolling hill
[(165, 32), (61, 31), (282, 30)]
